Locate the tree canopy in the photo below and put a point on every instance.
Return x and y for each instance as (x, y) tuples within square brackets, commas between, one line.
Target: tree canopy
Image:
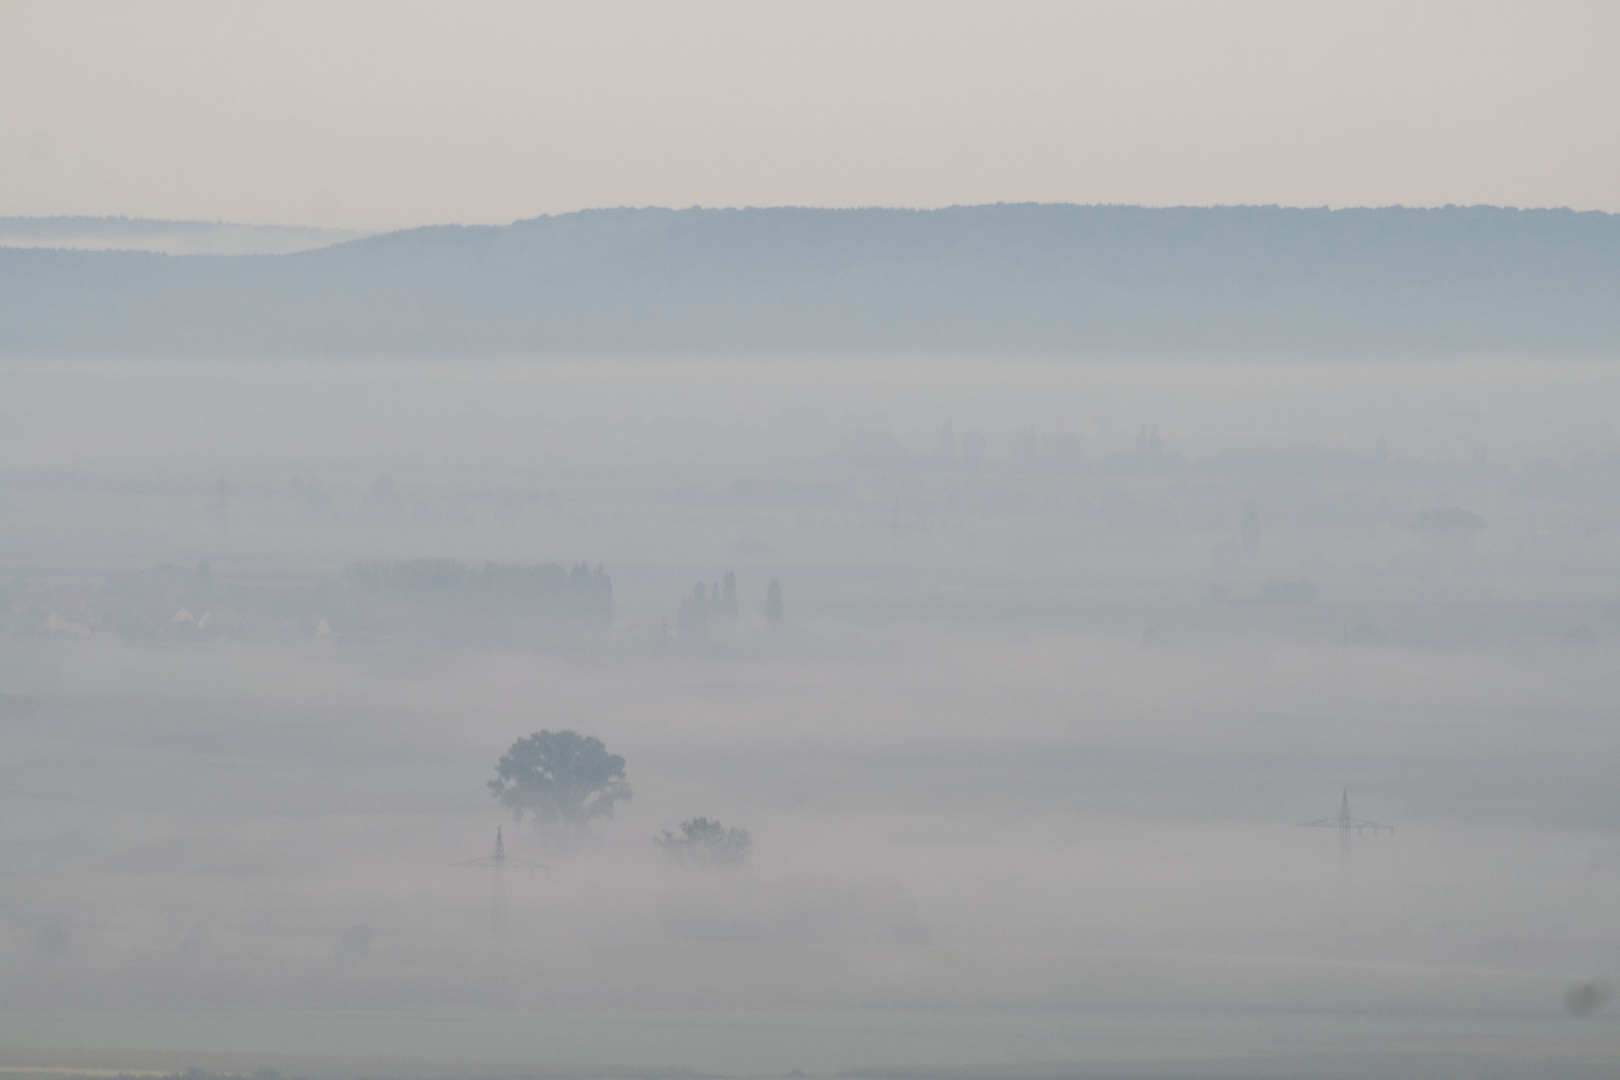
[(703, 842), (562, 779)]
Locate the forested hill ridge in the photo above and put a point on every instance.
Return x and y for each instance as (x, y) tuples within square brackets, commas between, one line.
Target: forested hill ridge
[(1004, 278)]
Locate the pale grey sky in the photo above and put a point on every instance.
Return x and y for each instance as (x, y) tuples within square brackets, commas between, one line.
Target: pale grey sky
[(384, 115)]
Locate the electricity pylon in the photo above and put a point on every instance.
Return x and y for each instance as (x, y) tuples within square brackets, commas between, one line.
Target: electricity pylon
[(1345, 823), (497, 906), (224, 513)]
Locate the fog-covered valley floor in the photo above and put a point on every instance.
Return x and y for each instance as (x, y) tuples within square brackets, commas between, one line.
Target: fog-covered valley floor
[(1066, 652)]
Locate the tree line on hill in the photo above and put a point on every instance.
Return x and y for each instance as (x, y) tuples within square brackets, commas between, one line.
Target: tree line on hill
[(1029, 278)]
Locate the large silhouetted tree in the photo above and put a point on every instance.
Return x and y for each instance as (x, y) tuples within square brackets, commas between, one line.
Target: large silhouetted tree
[(561, 779)]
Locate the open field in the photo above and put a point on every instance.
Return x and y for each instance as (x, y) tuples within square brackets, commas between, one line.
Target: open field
[(1023, 761)]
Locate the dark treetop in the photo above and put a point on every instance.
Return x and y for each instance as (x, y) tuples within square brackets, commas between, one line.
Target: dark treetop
[(560, 778)]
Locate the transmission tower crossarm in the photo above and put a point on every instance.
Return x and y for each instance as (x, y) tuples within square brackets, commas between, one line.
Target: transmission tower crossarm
[(1345, 822), (1351, 823), (499, 859)]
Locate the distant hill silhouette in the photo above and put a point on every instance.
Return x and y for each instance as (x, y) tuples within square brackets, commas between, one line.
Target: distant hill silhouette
[(169, 237), (1014, 278)]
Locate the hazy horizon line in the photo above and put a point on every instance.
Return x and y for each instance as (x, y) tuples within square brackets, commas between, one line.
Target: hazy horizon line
[(1330, 208)]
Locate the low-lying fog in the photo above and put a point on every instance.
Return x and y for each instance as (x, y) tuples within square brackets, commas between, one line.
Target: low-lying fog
[(1066, 652)]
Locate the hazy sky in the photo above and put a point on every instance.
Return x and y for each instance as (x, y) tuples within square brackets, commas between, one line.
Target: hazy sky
[(382, 115)]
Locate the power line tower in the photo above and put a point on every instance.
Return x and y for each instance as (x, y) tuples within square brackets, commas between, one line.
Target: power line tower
[(224, 513), (497, 907), (1346, 824)]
